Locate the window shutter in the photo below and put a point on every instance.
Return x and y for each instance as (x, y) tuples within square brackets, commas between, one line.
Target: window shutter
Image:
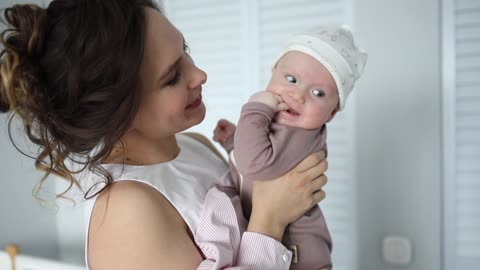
[(235, 42), (462, 134), (213, 31)]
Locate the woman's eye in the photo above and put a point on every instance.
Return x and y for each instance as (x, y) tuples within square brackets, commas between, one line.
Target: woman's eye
[(186, 48), (174, 80), (318, 92), (291, 79)]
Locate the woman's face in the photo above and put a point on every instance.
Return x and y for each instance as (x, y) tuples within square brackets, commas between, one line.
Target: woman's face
[(170, 83)]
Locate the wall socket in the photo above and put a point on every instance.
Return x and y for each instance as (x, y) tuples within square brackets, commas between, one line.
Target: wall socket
[(397, 250)]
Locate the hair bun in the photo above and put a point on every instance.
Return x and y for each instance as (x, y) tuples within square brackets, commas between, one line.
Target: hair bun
[(27, 24), (3, 106), (22, 43)]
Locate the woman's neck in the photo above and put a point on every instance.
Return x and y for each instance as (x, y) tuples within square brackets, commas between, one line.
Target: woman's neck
[(139, 150)]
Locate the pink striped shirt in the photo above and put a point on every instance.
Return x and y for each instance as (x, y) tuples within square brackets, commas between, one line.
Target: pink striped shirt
[(222, 237)]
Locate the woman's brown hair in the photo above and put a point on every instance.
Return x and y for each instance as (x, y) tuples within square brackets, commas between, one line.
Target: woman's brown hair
[(70, 72)]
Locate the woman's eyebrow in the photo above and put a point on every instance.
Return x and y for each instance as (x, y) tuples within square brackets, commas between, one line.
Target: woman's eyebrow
[(172, 66)]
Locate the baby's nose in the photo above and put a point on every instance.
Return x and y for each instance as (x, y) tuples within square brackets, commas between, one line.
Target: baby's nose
[(297, 96)]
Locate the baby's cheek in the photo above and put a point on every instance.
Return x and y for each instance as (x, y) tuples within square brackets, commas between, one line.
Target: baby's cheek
[(272, 89), (276, 88)]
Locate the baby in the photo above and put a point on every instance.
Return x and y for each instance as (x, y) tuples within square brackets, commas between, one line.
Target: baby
[(311, 80)]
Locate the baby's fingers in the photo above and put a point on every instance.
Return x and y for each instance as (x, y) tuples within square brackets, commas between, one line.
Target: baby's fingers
[(219, 134), (282, 106), (223, 123)]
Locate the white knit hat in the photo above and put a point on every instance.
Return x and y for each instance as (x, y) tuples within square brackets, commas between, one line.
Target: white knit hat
[(335, 49)]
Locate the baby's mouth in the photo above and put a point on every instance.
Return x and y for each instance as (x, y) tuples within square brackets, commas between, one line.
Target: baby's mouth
[(292, 112)]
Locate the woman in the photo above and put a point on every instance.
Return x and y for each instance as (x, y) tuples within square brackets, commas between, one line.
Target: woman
[(110, 85)]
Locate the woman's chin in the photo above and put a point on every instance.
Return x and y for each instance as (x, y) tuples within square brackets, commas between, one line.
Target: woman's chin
[(199, 115)]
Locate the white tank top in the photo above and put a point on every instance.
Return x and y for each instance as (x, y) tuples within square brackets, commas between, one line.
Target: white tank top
[(184, 181)]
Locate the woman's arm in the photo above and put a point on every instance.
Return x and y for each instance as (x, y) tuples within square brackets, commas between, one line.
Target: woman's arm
[(222, 222), (298, 191), (279, 202), (134, 226)]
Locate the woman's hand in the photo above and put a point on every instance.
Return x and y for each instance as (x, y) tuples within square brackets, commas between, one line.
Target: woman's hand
[(279, 202)]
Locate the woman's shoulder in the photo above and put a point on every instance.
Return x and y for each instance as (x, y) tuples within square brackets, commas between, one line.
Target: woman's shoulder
[(130, 202), (205, 141), (132, 219), (128, 193)]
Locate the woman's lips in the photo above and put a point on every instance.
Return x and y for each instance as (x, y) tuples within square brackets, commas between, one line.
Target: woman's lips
[(195, 103)]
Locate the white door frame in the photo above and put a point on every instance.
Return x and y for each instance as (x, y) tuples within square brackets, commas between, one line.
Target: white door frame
[(448, 126)]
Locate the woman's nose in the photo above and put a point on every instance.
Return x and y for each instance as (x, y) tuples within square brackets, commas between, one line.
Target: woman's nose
[(198, 78)]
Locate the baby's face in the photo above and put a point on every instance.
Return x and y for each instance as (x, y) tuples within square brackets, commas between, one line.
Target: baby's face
[(307, 87)]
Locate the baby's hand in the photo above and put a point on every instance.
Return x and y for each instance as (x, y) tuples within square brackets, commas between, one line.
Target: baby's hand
[(223, 134), (270, 99)]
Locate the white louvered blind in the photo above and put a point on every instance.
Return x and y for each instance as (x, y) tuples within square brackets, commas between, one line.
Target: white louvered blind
[(462, 134), (213, 31), (235, 42)]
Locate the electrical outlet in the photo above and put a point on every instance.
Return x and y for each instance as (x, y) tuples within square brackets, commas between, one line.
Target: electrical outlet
[(397, 250)]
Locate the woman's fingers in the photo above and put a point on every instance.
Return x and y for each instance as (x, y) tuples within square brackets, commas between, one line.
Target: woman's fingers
[(318, 183), (317, 170), (317, 193), (310, 161), (318, 197)]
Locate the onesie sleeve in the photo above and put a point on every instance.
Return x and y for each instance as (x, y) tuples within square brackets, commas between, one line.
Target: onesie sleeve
[(254, 152), (264, 149)]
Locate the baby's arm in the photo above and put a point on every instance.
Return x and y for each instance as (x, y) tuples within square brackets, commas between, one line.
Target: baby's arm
[(270, 99), (254, 152), (223, 134), (224, 131)]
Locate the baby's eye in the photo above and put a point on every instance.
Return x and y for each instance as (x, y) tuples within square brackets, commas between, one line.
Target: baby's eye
[(318, 92), (291, 79)]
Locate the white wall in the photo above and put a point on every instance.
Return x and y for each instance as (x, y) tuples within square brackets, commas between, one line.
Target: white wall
[(398, 129), (22, 219)]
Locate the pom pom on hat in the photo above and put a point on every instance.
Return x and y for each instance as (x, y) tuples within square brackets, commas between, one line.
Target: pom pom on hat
[(335, 49)]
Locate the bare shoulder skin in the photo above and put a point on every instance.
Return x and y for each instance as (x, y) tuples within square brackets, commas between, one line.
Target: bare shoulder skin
[(133, 226)]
